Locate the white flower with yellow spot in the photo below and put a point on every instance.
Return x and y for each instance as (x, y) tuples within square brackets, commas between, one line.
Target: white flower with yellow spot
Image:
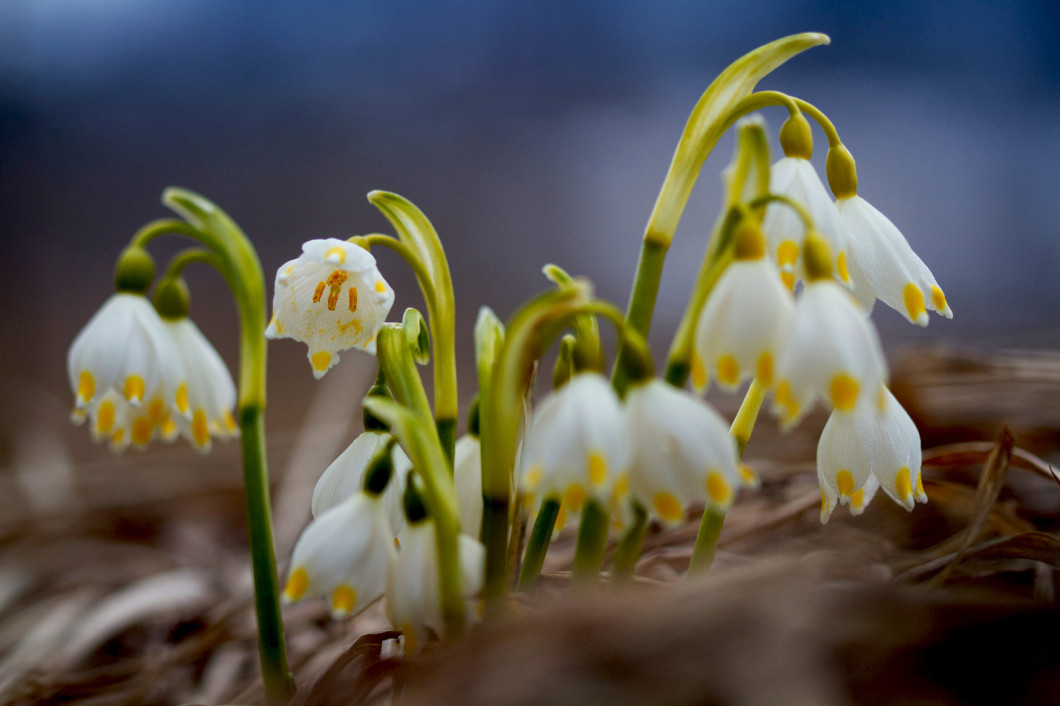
[(891, 270), (575, 445), (125, 371), (795, 178), (739, 328), (682, 452), (209, 395), (344, 556), (467, 477), (331, 298), (877, 446), (345, 476), (413, 596), (830, 349)]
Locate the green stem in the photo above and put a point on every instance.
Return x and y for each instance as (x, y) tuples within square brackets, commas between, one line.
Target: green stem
[(537, 546), (710, 525), (765, 99), (641, 304), (629, 546), (592, 540)]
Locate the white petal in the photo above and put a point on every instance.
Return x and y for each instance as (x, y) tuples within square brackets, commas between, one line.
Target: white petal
[(467, 476)]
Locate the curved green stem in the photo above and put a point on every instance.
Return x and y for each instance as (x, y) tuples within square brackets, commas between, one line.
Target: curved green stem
[(798, 208), (537, 546), (765, 99), (189, 255), (238, 263)]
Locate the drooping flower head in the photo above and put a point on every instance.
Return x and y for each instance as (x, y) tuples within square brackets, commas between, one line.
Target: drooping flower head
[(576, 444), (877, 446), (830, 349), (331, 298), (739, 329), (682, 452), (211, 394)]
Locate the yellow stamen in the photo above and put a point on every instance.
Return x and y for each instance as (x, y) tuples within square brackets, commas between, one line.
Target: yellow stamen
[(728, 370), (182, 398), (938, 298), (335, 281), (319, 293), (86, 387), (914, 301), (297, 584), (718, 489), (764, 369), (343, 599), (903, 483), (844, 481), (699, 373), (320, 360), (787, 253), (200, 428), (668, 507), (843, 392), (597, 468), (134, 389), (353, 299), (574, 497)]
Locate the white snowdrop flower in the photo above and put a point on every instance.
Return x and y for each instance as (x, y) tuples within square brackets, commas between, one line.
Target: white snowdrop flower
[(345, 476), (331, 298), (682, 451), (126, 349), (343, 555), (890, 268), (576, 445), (210, 395), (413, 593), (467, 477), (739, 328), (877, 446), (830, 348), (795, 178)]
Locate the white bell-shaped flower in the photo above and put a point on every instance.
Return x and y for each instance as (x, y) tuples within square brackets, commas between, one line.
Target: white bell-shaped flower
[(830, 350), (413, 594), (682, 451), (210, 395), (877, 446), (739, 329), (892, 271), (343, 555), (575, 444), (126, 349), (795, 178), (331, 298), (345, 477), (467, 477)]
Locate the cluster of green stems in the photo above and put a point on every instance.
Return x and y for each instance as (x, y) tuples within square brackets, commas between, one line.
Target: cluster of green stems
[(505, 359)]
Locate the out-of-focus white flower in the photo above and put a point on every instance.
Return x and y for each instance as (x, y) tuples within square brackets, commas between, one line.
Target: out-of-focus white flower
[(830, 350), (345, 477), (576, 445), (210, 395), (126, 372), (413, 596), (331, 298), (891, 270), (877, 446), (467, 477), (739, 328), (682, 451), (343, 555), (795, 178)]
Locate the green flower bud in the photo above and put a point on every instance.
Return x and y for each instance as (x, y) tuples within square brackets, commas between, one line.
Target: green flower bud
[(135, 271), (173, 299), (842, 172), (816, 257), (796, 137)]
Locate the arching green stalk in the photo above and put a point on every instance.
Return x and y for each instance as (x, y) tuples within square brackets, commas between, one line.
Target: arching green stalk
[(235, 258)]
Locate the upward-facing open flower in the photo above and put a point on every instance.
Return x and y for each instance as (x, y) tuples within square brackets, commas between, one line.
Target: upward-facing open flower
[(890, 268), (682, 451), (795, 178), (210, 395), (343, 555), (878, 446), (739, 329), (345, 476), (125, 372), (830, 348), (413, 601), (331, 298), (576, 444)]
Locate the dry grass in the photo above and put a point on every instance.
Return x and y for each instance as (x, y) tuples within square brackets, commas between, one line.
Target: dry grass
[(126, 584)]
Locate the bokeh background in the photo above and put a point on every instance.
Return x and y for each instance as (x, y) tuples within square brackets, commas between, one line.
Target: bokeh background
[(528, 132)]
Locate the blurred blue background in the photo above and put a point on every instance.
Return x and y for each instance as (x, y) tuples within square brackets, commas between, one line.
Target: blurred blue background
[(528, 132)]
